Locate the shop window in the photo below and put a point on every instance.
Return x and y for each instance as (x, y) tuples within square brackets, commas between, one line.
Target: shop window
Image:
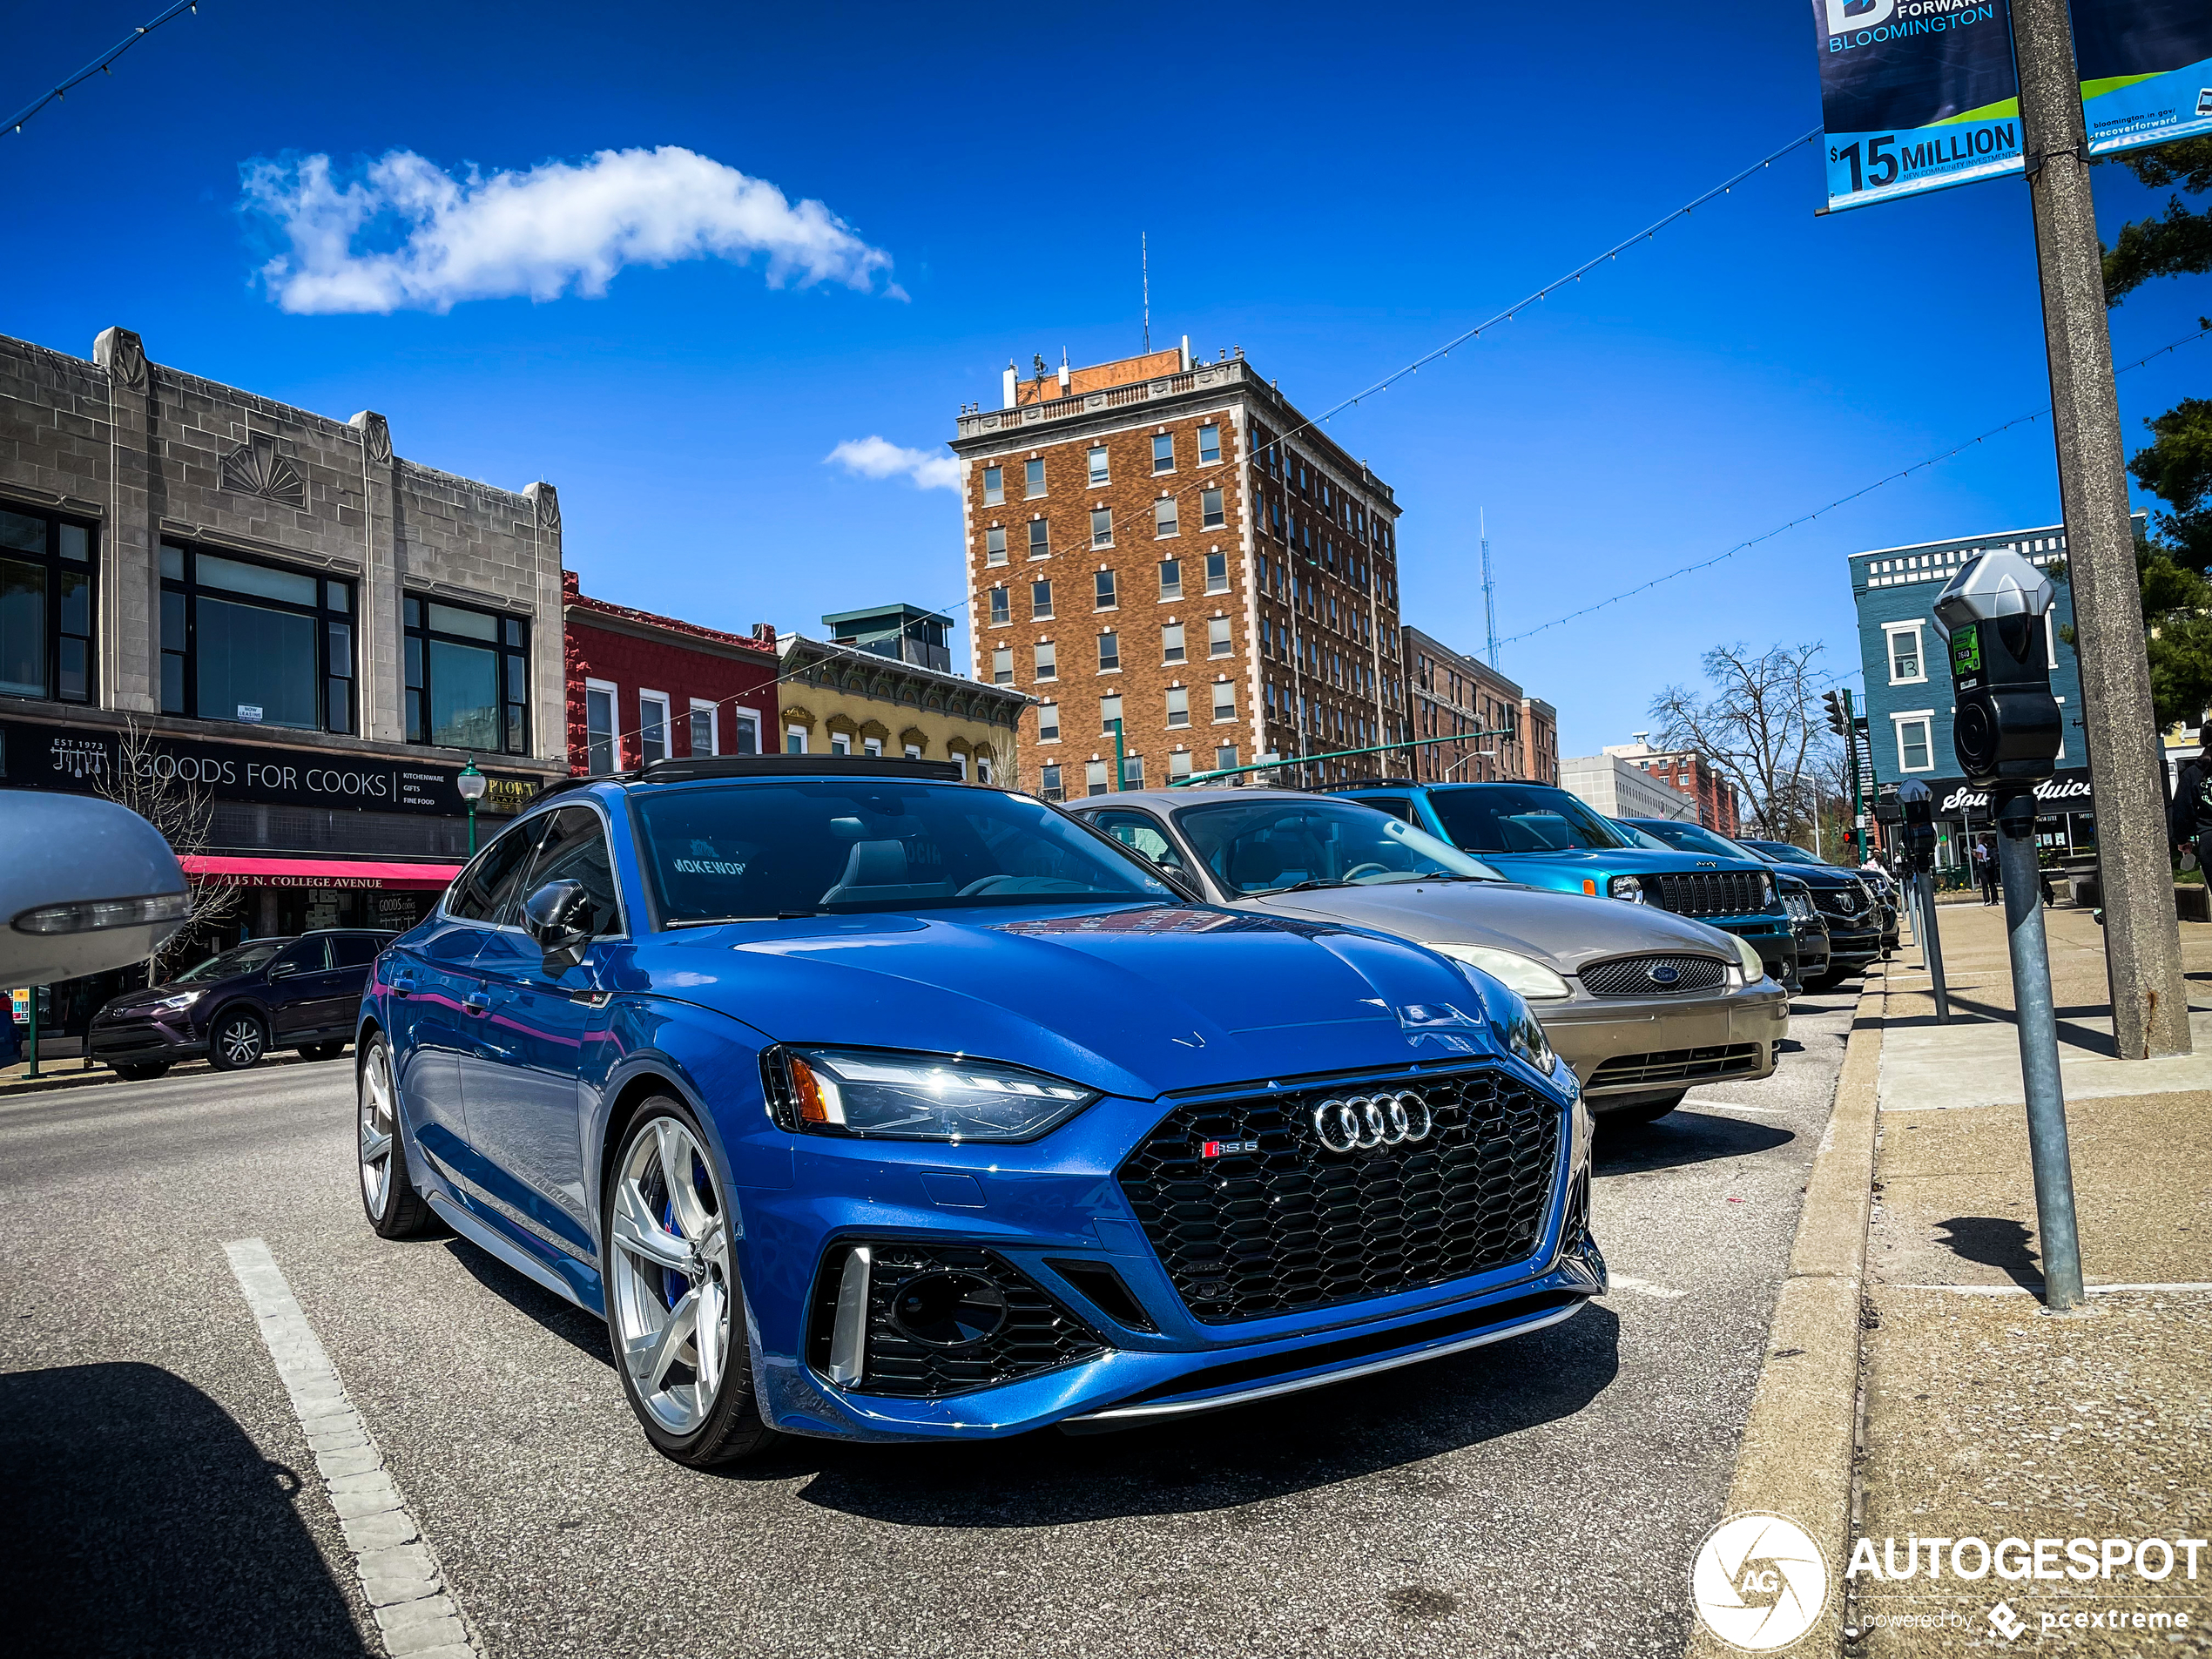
[(468, 679), (600, 754), (45, 607), (261, 644)]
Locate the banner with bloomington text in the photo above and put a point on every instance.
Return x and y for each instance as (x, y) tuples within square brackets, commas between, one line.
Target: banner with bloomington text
[(2146, 69)]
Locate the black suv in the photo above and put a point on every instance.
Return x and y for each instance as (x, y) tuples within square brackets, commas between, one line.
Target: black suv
[(265, 993), (1854, 915)]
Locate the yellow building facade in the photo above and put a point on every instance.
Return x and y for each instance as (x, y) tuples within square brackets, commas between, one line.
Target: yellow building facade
[(841, 699)]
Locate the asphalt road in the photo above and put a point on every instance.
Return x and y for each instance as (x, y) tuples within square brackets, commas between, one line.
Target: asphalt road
[(1540, 1496)]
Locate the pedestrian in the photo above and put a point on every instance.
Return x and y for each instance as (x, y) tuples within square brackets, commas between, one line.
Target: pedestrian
[(1986, 870), (2189, 827)]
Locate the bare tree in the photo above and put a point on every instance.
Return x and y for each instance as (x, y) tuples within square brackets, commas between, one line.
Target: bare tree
[(1759, 729), (185, 813)]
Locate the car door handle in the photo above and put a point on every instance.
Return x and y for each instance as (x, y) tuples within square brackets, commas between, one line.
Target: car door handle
[(401, 984), (478, 1002)]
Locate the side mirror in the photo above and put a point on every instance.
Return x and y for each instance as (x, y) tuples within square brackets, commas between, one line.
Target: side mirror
[(558, 916)]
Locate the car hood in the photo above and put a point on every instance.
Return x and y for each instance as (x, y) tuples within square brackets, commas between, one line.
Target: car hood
[(1634, 860), (1564, 930), (1813, 876), (1134, 1001)]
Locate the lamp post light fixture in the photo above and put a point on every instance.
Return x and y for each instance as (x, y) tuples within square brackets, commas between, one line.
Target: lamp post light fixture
[(472, 784)]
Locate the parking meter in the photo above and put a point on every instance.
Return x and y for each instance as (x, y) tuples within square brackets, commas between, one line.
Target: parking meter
[(2006, 726), (1916, 811)]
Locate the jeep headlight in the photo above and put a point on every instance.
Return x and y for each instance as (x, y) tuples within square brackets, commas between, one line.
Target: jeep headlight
[(914, 1096), (1523, 974), (1625, 886)]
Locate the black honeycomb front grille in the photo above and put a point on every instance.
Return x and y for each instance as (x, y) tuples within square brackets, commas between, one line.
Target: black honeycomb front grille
[(1707, 893), (1292, 1225), (1634, 975), (1036, 1335)]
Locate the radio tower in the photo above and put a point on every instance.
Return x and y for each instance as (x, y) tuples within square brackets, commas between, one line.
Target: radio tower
[(1489, 596)]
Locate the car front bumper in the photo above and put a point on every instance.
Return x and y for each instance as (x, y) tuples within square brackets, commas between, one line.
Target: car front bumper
[(1627, 1048), (137, 1041)]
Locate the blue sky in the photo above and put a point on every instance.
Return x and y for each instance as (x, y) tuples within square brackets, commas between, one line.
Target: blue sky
[(1333, 192)]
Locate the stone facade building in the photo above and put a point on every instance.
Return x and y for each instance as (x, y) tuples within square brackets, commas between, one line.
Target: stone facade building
[(316, 630), (848, 699), (643, 687), (1170, 545), (1447, 692), (1617, 787)]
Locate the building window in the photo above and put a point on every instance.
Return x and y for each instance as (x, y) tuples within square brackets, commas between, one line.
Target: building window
[(840, 743), (994, 486), (1040, 600), (1094, 778), (1178, 765), (1163, 516), (1913, 749), (1047, 664), (1049, 784), (1224, 756), (46, 610), (652, 728), (1048, 723), (1110, 651), (960, 761), (1216, 573), (1170, 578), (1217, 637), (1163, 452), (1002, 610), (872, 747), (1033, 479), (702, 731), (468, 677), (747, 722), (1209, 446), (794, 739), (1101, 527), (1171, 643), (1225, 700), (1178, 705), (1210, 508), (1040, 539), (994, 545), (600, 756), (1002, 665), (266, 646), (1103, 582), (1109, 713), (914, 752), (1132, 771), (1906, 665), (1097, 473)]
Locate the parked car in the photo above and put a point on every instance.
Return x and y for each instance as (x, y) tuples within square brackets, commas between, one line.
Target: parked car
[(267, 994), (1640, 1003), (1544, 836), (865, 1104), (1853, 916), (1805, 921)]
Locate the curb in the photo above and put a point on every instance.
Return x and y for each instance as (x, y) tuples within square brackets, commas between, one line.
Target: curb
[(11, 1087), (1799, 1454)]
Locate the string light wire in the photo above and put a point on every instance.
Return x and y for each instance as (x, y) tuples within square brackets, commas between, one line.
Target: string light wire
[(53, 94)]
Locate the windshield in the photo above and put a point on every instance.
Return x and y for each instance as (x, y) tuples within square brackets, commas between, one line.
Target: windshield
[(800, 849), (1783, 853), (1692, 837), (239, 958), (1269, 846), (1641, 837), (1522, 818)]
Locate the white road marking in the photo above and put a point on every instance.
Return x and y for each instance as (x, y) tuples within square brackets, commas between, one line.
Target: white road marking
[(416, 1616), (1643, 1287)]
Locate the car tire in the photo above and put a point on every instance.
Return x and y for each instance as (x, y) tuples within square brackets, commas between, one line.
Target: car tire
[(321, 1050), (237, 1040), (662, 1206), (141, 1071), (395, 1208), (1644, 1111)]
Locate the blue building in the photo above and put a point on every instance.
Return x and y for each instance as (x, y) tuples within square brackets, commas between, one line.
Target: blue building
[(1907, 700)]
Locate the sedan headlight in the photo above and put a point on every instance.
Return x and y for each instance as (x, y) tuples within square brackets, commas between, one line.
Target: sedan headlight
[(182, 1000), (1754, 965), (1524, 973), (1625, 886), (914, 1096)]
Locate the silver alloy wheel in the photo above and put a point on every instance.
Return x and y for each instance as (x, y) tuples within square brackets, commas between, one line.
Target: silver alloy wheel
[(240, 1041), (379, 1123), (672, 1285)]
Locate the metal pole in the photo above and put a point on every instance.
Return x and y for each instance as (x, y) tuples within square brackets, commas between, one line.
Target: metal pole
[(2143, 937), (33, 1072), (1121, 767), (2039, 1038), (472, 829), (1932, 943)]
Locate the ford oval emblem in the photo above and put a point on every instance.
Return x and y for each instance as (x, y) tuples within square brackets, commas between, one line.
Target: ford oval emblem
[(1662, 973)]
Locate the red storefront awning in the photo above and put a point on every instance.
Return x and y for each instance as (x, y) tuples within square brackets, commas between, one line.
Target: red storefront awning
[(317, 873)]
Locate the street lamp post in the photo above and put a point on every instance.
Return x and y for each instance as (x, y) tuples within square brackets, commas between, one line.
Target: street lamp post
[(472, 784)]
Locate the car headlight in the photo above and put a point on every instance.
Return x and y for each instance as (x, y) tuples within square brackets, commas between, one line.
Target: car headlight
[(182, 1000), (914, 1096), (1625, 886), (1754, 965), (1515, 1025), (1524, 973)]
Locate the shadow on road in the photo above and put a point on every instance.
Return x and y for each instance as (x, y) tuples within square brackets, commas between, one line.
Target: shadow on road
[(1223, 1461), (140, 1518), (582, 1331), (1993, 1241), (1683, 1136)]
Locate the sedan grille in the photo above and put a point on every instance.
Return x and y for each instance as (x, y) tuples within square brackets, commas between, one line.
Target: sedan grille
[(1653, 975), (1707, 893), (1252, 1214), (1677, 1066)]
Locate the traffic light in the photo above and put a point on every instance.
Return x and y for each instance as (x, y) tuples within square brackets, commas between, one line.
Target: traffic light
[(1838, 721), (2006, 725)]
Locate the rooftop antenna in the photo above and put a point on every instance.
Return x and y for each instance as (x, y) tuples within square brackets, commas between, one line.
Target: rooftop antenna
[(1489, 595), (1144, 264)]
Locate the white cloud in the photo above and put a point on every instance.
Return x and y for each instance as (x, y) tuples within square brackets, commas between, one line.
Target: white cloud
[(874, 457), (405, 235)]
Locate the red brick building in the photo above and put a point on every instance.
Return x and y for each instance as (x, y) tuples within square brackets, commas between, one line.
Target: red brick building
[(1691, 774), (643, 687), (1449, 692)]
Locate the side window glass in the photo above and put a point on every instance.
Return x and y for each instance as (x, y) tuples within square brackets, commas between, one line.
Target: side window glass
[(1397, 805), (486, 886), (575, 849), (308, 956), (354, 950), (1140, 834)]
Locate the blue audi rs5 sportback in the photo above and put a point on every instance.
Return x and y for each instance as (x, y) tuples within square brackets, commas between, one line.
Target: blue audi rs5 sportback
[(862, 1101)]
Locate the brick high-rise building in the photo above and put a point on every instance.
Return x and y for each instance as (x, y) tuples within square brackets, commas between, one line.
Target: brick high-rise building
[(1169, 544), (1447, 692), (1691, 774)]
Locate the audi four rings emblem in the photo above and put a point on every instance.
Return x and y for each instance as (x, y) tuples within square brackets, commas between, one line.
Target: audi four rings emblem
[(1369, 1121)]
